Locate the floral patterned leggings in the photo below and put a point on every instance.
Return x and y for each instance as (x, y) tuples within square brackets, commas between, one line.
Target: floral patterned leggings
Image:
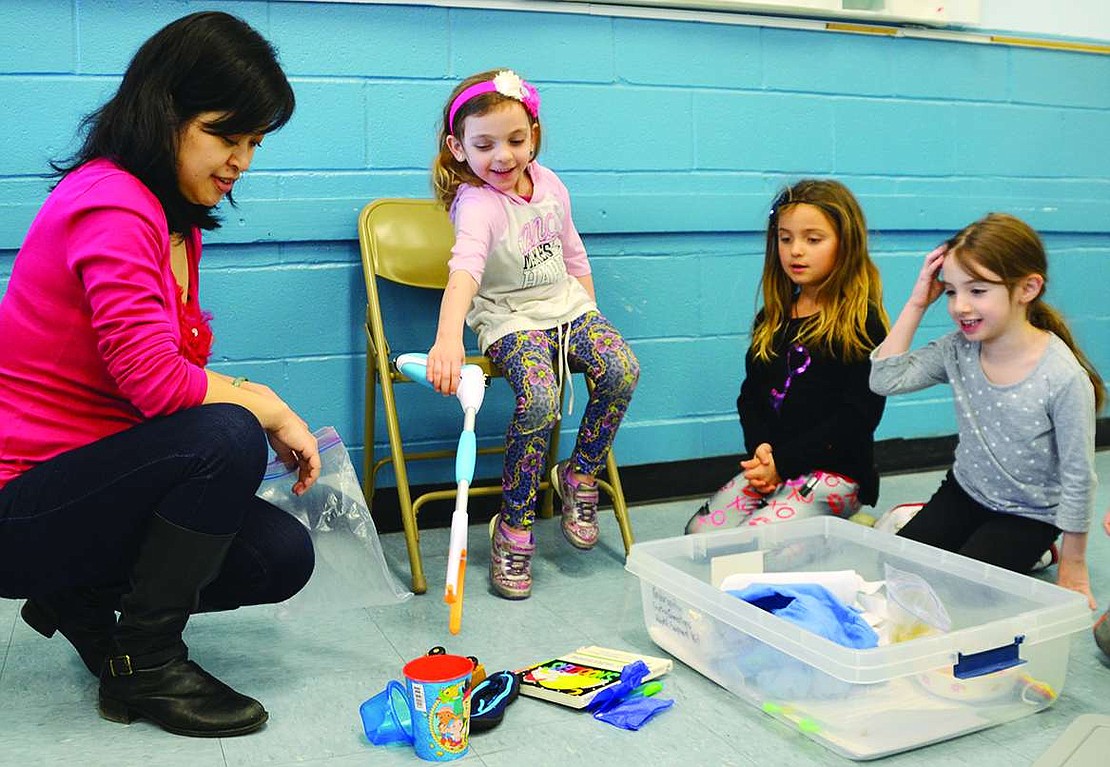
[(529, 361)]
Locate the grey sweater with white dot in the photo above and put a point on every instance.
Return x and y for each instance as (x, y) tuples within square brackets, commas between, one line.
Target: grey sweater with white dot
[(1026, 448)]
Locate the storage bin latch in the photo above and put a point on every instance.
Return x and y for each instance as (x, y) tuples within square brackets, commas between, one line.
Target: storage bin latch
[(988, 661)]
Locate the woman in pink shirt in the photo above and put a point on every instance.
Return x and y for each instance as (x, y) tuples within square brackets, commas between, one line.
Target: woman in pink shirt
[(127, 468)]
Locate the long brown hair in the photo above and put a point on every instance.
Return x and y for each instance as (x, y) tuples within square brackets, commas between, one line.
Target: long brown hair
[(1012, 250), (846, 296), (448, 174)]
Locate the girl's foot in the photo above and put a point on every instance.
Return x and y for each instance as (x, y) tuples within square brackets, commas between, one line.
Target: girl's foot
[(510, 560), (579, 506)]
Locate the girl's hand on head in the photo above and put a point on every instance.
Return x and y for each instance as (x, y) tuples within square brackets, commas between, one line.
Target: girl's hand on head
[(928, 287), (445, 361)]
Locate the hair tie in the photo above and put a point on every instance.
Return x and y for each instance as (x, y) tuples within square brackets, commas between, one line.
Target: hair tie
[(507, 83)]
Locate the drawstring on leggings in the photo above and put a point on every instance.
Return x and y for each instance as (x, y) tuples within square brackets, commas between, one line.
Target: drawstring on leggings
[(564, 368)]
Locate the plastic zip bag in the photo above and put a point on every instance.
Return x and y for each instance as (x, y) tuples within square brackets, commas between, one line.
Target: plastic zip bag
[(351, 570), (913, 607)]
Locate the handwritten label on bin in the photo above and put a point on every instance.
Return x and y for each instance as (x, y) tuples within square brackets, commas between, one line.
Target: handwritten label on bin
[(673, 615)]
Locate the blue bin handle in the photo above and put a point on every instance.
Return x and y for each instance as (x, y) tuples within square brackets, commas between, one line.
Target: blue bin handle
[(988, 661)]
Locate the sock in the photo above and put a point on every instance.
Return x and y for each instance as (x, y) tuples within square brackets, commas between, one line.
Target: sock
[(568, 475), (521, 536)]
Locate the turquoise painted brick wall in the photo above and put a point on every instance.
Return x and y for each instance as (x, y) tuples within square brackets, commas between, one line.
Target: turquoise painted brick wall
[(672, 137)]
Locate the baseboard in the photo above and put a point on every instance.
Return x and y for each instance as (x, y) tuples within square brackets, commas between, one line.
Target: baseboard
[(650, 483)]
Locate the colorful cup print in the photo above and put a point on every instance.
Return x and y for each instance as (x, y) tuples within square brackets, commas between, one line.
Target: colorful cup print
[(439, 693)]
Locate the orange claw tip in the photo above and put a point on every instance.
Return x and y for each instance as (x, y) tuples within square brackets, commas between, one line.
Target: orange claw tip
[(454, 622)]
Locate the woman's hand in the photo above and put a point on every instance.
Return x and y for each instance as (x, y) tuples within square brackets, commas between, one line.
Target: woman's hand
[(928, 286), (296, 447), (289, 436), (1106, 522), (445, 361), (760, 470)]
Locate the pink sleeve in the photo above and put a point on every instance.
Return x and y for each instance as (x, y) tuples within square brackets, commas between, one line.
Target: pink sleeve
[(574, 252), (117, 250), (475, 216)]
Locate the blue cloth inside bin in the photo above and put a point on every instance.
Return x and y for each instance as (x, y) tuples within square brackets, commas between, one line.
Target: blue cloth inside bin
[(776, 674), (814, 608)]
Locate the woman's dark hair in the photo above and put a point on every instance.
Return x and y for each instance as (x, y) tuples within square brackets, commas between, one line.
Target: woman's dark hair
[(204, 62)]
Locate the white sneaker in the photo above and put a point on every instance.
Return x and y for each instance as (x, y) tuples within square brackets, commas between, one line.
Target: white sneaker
[(1047, 560)]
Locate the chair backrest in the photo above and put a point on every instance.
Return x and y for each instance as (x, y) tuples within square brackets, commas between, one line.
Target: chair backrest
[(406, 241)]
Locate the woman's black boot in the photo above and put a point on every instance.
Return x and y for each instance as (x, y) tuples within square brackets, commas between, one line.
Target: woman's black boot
[(85, 616), (148, 673)]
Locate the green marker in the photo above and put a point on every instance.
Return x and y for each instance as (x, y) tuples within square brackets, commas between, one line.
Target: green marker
[(646, 690)]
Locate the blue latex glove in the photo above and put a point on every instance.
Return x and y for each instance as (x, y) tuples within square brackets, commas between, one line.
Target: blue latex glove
[(631, 676), (813, 608), (633, 713)]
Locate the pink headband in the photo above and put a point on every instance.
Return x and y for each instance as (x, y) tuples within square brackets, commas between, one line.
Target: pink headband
[(507, 83)]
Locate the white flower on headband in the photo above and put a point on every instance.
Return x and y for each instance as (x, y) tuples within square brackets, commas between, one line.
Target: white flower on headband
[(508, 83)]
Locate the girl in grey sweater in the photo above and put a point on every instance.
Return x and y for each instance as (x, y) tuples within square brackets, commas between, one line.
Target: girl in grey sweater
[(1025, 398)]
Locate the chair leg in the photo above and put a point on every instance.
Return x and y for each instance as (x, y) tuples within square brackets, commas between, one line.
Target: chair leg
[(371, 405), (620, 508), (408, 516)]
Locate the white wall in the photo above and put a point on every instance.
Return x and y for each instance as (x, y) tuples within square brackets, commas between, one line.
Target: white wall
[(1064, 18)]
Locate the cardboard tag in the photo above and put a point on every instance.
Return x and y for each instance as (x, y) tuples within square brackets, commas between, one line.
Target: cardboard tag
[(730, 564)]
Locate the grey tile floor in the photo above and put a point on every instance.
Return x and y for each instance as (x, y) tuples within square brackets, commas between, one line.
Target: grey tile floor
[(313, 671)]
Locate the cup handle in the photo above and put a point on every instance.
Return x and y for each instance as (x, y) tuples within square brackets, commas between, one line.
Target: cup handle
[(406, 722)]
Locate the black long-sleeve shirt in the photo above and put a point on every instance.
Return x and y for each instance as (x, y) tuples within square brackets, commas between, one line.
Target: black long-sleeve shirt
[(819, 415)]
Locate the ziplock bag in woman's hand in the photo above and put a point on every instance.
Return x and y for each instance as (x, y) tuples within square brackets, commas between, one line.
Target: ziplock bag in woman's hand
[(350, 567)]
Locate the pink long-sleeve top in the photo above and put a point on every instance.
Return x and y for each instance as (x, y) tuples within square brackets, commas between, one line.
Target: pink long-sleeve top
[(95, 335), (525, 255)]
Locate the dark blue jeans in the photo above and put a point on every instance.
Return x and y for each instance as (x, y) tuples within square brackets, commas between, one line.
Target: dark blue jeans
[(79, 518)]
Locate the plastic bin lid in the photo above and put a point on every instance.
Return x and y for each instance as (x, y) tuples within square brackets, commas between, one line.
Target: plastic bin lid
[(1084, 744)]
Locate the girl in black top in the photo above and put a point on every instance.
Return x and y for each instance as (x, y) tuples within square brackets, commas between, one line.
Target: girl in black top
[(807, 412)]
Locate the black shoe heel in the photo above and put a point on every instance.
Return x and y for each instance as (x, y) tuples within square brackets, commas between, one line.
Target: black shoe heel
[(116, 711), (38, 618)]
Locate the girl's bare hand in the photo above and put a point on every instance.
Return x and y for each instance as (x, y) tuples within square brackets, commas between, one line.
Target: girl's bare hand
[(445, 362), (928, 286)]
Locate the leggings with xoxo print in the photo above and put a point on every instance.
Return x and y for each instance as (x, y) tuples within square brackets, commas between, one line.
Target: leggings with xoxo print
[(810, 495), (529, 361)]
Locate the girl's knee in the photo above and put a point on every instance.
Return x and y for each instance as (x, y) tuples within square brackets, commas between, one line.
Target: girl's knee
[(619, 378), (539, 411)]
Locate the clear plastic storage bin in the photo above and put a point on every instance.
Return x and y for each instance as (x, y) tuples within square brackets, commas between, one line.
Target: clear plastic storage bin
[(1005, 656)]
